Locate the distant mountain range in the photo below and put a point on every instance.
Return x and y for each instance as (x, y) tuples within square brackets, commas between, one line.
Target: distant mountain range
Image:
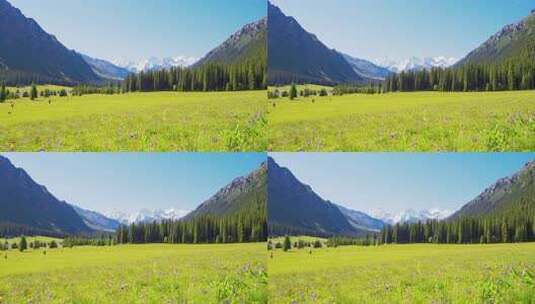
[(154, 63), (367, 69), (410, 215), (106, 69), (97, 221), (416, 64), (147, 215)]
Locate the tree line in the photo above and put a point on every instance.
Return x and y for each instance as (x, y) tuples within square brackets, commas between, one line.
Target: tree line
[(246, 75), (518, 74), (516, 223), (239, 228)]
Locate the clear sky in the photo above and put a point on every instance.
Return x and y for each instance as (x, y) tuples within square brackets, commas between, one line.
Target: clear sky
[(398, 181), (400, 29), (139, 29), (130, 182)]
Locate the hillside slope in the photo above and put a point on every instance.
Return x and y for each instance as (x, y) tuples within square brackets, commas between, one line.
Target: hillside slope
[(298, 56), (248, 43), (28, 205), (243, 194), (512, 194), (512, 41), (294, 208), (29, 54)]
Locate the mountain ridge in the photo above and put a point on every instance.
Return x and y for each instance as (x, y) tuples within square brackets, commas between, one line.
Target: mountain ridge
[(502, 194), (508, 43), (24, 44), (245, 44), (294, 208), (28, 204), (296, 55), (236, 196)]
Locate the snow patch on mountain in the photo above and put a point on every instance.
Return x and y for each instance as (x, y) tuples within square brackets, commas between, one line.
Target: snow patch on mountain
[(410, 215), (415, 63), (154, 63), (147, 216)]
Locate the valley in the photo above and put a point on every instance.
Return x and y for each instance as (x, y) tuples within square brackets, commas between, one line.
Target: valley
[(158, 121), (479, 100), (406, 121), (54, 98), (322, 252), (54, 252), (149, 273), (416, 273)]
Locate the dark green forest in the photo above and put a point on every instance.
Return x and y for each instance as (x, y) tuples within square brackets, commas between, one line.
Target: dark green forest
[(509, 75), (514, 223), (238, 228), (246, 75)]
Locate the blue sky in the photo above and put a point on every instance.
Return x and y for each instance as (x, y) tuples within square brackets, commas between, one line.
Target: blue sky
[(399, 29), (130, 182), (138, 29), (398, 181)]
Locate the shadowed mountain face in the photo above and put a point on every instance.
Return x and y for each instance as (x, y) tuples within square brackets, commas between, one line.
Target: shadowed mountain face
[(97, 221), (509, 194), (106, 69), (512, 41), (28, 53), (24, 203), (298, 56), (242, 194), (294, 208), (367, 69), (249, 43)]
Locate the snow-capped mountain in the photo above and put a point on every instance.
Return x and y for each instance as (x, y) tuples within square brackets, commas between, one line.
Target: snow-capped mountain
[(415, 63), (410, 215), (146, 215), (155, 63)]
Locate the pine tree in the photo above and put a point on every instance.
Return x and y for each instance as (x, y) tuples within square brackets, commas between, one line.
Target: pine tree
[(287, 244), (33, 92), (293, 91), (3, 93), (23, 245)]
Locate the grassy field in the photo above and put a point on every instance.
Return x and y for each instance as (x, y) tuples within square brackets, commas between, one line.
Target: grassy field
[(29, 239), (423, 121), (161, 121), (425, 273), (231, 273)]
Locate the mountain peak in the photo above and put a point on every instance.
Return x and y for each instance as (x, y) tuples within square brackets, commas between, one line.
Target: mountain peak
[(504, 191), (295, 55), (24, 44), (27, 204), (511, 41), (247, 42)]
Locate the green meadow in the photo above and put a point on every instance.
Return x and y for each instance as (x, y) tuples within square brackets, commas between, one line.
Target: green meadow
[(159, 121), (156, 273), (423, 273), (419, 121)]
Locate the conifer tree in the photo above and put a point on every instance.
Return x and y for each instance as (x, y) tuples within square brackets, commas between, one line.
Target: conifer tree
[(287, 244), (23, 245)]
